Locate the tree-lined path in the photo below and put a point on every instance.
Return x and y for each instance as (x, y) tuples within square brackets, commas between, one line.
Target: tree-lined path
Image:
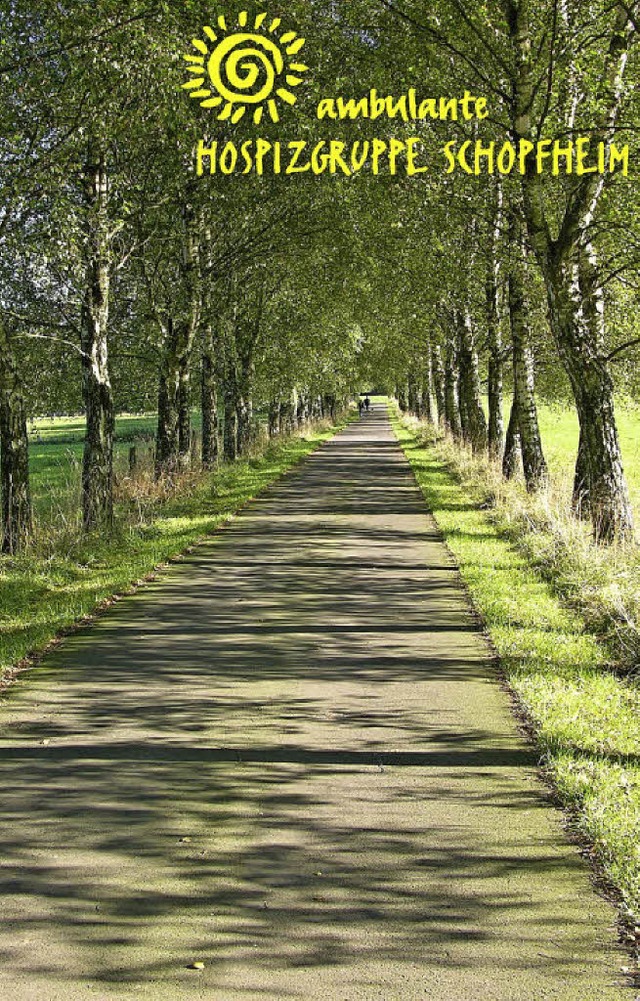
[(290, 759)]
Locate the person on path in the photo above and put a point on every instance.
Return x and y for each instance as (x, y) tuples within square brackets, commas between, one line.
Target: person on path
[(360, 405), (367, 404)]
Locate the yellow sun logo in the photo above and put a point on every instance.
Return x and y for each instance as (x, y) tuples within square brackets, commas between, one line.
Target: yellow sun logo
[(247, 66)]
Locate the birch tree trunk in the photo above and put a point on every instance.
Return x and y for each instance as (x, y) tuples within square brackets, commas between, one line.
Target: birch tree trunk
[(14, 453), (211, 357), (331, 407), (512, 441), (427, 409), (571, 274), (210, 418), (97, 466), (168, 431), (230, 425), (581, 500), (288, 411), (452, 407), (184, 412), (475, 423), (533, 461), (578, 321), (245, 419), (247, 338), (173, 440), (229, 389), (274, 418), (439, 383), (302, 411), (413, 402), (495, 430)]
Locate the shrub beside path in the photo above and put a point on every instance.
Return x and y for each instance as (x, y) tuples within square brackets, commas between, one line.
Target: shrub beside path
[(290, 760)]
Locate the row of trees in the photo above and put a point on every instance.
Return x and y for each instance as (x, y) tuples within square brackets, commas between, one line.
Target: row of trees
[(115, 258), (531, 270), (282, 294)]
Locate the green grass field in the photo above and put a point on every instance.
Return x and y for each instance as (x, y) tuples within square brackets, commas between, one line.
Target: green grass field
[(56, 452), (56, 458), (559, 430)]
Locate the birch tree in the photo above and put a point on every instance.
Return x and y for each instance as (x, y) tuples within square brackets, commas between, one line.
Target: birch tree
[(568, 258)]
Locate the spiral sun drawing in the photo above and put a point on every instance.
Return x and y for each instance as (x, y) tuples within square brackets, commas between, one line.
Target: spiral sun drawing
[(245, 67)]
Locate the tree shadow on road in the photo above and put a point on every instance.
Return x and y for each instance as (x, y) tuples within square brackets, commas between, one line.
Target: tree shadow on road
[(288, 756)]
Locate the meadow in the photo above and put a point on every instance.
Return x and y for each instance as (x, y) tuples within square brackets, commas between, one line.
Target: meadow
[(559, 430), (57, 444)]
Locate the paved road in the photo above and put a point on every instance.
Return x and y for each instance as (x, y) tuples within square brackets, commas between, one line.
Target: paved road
[(290, 759)]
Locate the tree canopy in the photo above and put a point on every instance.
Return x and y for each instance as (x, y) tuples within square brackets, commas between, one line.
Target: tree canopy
[(128, 282)]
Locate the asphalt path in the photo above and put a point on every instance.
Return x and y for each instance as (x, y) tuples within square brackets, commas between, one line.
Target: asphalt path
[(290, 759)]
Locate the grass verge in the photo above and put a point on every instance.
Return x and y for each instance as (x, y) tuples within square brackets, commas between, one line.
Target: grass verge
[(585, 717), (43, 595)]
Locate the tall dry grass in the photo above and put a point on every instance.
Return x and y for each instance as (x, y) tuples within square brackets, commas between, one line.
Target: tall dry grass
[(601, 582)]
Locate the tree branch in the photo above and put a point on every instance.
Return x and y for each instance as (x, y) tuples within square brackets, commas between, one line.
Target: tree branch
[(446, 44), (623, 347), (55, 340), (48, 54)]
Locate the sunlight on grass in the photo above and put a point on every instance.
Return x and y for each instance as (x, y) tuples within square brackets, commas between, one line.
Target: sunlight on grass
[(560, 433)]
